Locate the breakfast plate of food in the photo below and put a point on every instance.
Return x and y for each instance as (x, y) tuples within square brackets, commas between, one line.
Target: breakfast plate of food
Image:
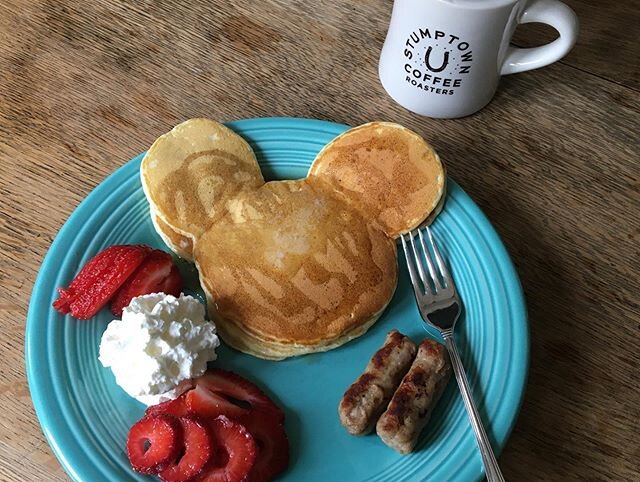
[(232, 305)]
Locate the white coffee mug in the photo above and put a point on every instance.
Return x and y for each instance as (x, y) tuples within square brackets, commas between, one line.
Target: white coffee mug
[(443, 58)]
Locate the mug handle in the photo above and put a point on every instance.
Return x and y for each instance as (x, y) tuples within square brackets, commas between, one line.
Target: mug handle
[(553, 13)]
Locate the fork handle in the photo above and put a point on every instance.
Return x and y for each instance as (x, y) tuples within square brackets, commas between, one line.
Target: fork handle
[(488, 458)]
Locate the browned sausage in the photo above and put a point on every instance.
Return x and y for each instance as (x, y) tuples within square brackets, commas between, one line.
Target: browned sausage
[(412, 403), (368, 396)]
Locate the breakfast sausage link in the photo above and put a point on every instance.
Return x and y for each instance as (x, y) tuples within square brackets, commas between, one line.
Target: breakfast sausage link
[(367, 397), (412, 403)]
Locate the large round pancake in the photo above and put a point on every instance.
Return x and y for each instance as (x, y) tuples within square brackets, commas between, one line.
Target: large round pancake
[(294, 267), (190, 173), (389, 172), (235, 337)]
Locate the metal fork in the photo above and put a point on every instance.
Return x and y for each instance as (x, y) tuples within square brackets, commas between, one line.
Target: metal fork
[(440, 307)]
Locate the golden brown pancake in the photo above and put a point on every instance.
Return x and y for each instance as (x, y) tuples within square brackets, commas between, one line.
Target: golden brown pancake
[(189, 173), (292, 267), (240, 340), (388, 171)]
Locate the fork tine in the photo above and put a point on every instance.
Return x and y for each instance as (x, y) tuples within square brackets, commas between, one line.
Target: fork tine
[(418, 261), (432, 268), (412, 272), (441, 264)]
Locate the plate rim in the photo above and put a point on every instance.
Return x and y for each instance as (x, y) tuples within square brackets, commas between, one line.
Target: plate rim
[(35, 383)]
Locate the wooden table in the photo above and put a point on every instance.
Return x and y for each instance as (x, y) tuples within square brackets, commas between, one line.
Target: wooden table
[(553, 161)]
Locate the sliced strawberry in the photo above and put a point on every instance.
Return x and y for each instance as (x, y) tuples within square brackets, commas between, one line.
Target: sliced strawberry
[(235, 452), (220, 392), (157, 273), (99, 279), (153, 443), (209, 404), (198, 451), (273, 445), (177, 407)]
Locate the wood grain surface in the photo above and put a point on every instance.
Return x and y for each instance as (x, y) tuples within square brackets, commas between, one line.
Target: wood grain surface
[(553, 161)]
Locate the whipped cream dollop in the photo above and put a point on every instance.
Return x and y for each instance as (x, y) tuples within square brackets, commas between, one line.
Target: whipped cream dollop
[(158, 346)]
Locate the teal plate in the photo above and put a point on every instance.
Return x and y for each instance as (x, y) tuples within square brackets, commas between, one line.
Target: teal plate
[(86, 416)]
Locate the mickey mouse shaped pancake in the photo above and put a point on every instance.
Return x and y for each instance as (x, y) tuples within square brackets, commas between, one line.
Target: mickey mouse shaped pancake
[(292, 267)]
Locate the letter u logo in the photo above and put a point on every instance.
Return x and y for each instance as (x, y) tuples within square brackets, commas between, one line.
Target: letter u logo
[(445, 61)]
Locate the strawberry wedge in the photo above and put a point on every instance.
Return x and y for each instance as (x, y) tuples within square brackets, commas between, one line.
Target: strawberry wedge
[(99, 279), (155, 274)]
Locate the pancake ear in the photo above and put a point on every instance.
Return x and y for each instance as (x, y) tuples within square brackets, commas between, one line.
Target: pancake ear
[(190, 173), (387, 171)]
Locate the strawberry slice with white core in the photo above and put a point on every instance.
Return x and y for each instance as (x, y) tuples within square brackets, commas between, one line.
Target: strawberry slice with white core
[(235, 452), (197, 452), (153, 443)]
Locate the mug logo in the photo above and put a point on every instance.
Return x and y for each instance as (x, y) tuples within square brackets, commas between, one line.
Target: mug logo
[(437, 62), (445, 60)]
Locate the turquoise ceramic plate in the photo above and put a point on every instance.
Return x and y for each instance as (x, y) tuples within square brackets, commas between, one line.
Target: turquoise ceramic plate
[(85, 415)]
